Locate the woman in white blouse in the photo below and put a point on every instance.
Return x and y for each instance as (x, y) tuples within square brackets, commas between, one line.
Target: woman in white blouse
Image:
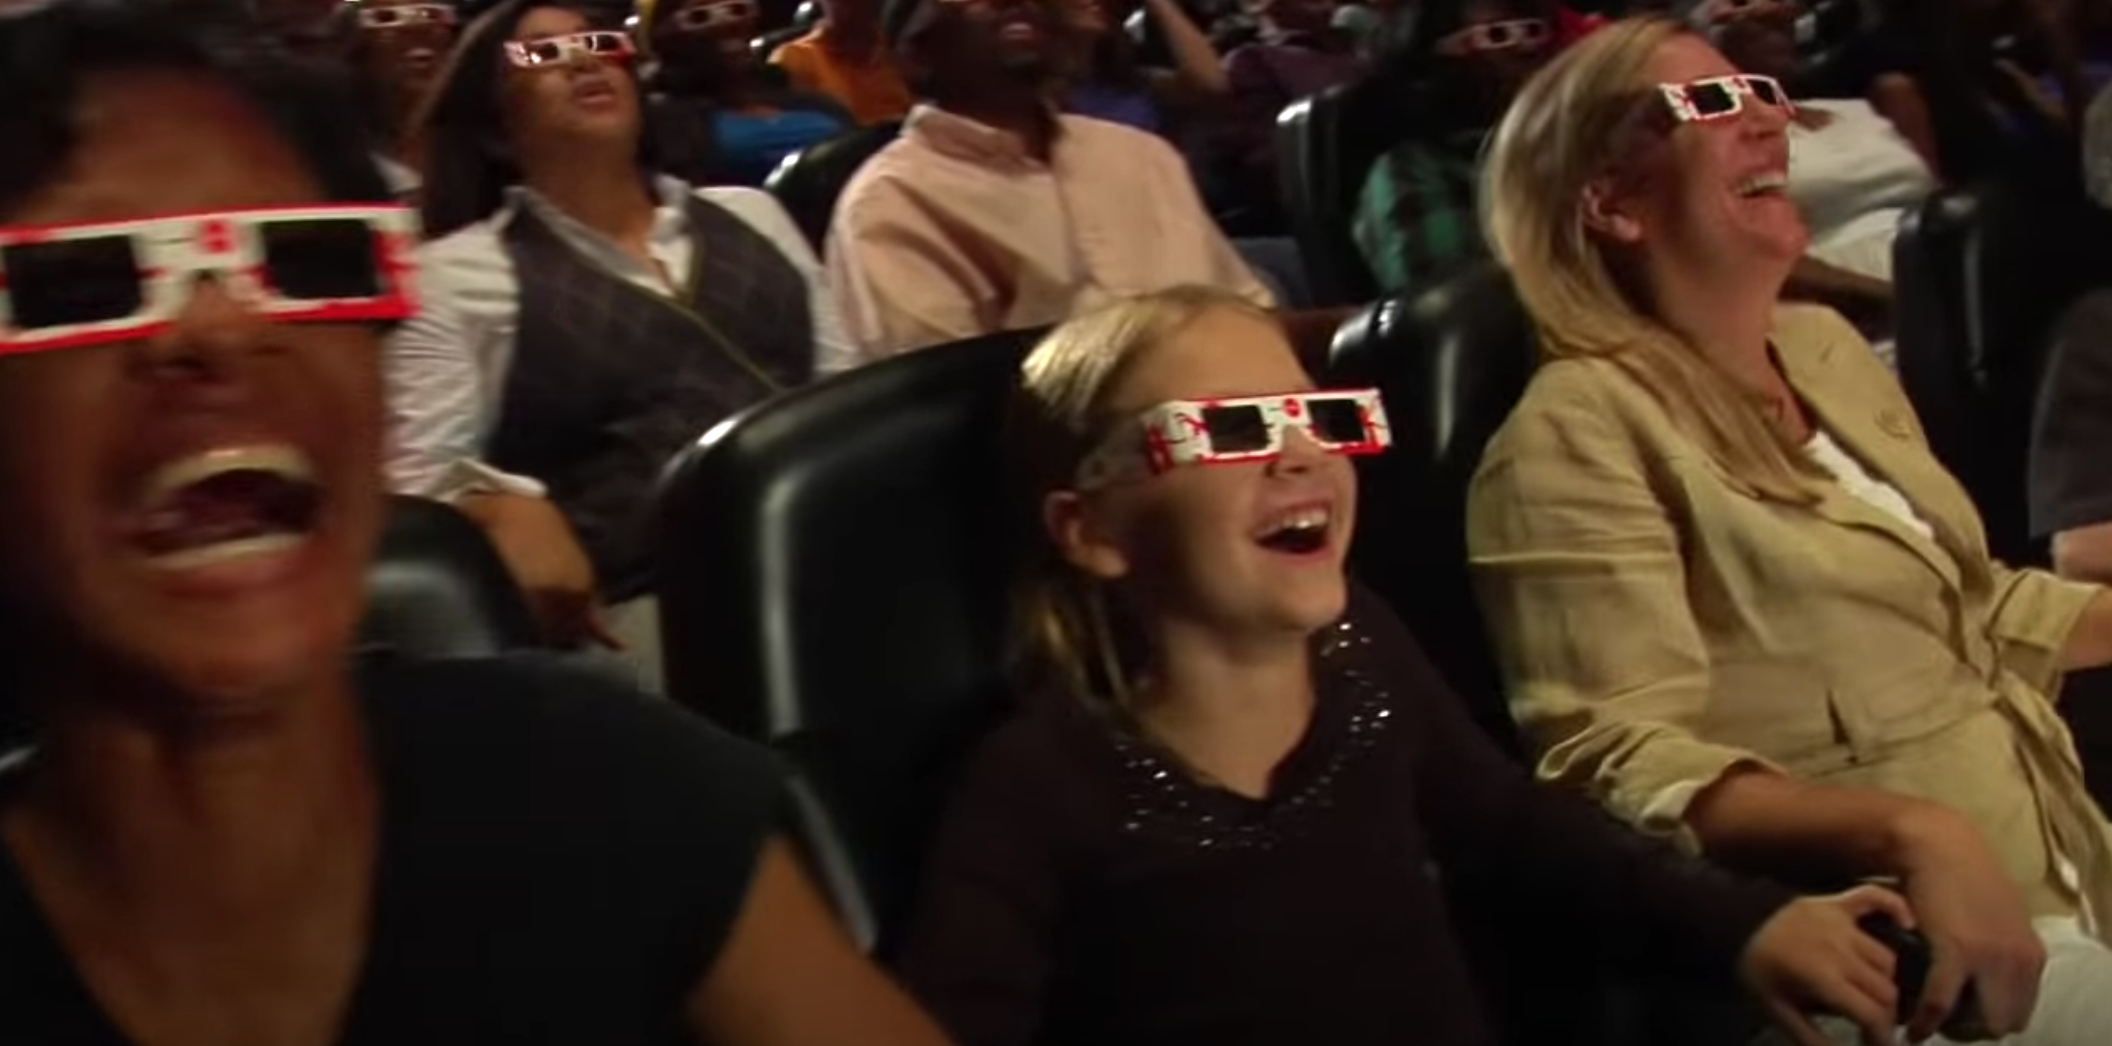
[(584, 319)]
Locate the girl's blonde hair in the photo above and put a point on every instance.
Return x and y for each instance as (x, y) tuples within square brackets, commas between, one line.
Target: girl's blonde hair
[(1570, 126), (1070, 634)]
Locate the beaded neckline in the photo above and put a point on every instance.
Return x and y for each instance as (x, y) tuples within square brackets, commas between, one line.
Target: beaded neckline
[(1162, 802)]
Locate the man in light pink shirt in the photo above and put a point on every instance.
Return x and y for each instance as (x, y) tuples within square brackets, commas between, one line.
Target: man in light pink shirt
[(994, 212)]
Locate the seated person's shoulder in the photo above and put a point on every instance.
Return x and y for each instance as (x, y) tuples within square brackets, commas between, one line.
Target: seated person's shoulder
[(1575, 407), (512, 730)]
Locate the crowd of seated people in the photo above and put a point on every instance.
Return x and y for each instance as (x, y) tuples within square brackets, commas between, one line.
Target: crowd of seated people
[(720, 116), (258, 272)]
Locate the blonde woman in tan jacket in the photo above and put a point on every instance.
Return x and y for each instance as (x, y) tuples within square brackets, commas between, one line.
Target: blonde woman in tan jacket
[(1735, 596)]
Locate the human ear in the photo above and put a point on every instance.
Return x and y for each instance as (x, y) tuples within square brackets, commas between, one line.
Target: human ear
[(1080, 537)]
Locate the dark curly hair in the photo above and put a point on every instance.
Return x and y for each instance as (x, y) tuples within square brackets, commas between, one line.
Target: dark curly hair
[(48, 47)]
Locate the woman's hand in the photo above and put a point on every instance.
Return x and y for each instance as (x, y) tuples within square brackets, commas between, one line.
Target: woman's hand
[(1813, 956), (1978, 929), (546, 560)]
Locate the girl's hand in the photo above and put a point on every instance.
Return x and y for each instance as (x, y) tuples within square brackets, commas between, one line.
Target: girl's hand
[(1813, 957)]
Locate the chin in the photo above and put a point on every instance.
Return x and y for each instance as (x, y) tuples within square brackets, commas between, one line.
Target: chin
[(218, 676), (1313, 603)]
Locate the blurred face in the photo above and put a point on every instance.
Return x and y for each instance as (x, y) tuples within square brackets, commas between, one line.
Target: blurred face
[(1708, 194), (1758, 36), (582, 98), (697, 32), (194, 508), (976, 41), (1091, 18), (1247, 548), (1498, 47), (405, 41)]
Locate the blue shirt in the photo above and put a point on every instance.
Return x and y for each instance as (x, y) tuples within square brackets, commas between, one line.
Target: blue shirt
[(1130, 107), (750, 145)]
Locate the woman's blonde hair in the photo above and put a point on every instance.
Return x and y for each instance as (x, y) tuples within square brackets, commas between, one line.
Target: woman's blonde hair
[(1570, 126), (1071, 635)]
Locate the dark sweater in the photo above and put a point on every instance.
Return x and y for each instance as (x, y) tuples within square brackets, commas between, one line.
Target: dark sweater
[(1085, 891), (561, 861)]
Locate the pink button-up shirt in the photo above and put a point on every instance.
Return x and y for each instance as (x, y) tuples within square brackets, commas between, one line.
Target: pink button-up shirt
[(955, 230)]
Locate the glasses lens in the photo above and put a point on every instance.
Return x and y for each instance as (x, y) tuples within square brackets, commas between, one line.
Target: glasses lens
[(1764, 89), (67, 282), (1712, 98), (602, 43), (1236, 430), (321, 259), (381, 17), (1498, 34), (1336, 421)]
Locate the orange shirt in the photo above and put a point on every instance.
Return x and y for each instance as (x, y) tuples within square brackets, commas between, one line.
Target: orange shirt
[(872, 88)]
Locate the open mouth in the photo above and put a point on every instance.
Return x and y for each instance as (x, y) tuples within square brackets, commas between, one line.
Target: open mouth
[(421, 59), (227, 505), (1301, 531), (1769, 183), (1019, 32)]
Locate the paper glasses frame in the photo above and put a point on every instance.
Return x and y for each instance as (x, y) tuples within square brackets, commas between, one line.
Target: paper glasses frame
[(173, 251), (1174, 434)]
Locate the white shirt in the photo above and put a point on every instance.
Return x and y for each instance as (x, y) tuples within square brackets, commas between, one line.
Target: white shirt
[(446, 367), (1853, 180), (1864, 485)]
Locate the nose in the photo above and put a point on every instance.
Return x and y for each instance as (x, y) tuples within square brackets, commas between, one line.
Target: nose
[(1301, 453), (211, 343), (1761, 120)]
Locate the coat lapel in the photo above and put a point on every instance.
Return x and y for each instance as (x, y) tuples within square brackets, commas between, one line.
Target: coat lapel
[(1880, 433)]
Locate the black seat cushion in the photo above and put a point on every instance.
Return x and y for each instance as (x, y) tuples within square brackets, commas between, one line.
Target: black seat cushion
[(1982, 275), (1451, 363), (1325, 147), (808, 182), (832, 583), (438, 589)]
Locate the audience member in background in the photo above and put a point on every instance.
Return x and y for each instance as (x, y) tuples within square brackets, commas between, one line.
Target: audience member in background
[(1734, 594), (847, 58), (1361, 22), (1215, 817), (1993, 116), (227, 833), (585, 318), (1856, 166), (719, 116), (1452, 66), (1298, 53), (993, 211), (398, 51), (1107, 82)]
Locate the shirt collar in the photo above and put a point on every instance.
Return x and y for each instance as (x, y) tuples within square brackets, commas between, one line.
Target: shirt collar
[(962, 138), (670, 215)]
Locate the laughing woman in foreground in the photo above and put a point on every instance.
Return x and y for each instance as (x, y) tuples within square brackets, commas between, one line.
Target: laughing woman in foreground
[(1216, 818), (1735, 596), (227, 834)]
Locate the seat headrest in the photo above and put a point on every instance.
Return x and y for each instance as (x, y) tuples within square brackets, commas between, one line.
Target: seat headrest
[(843, 546)]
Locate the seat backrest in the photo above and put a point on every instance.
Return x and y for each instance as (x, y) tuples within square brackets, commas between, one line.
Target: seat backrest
[(1982, 275), (808, 182), (832, 582), (438, 589), (1451, 363), (1325, 146)]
